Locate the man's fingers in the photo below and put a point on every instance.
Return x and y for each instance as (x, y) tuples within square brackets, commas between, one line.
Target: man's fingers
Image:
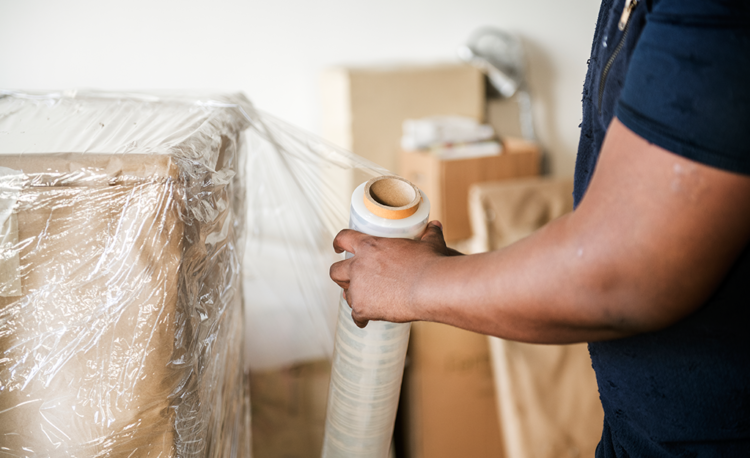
[(361, 324), (347, 240), (339, 273)]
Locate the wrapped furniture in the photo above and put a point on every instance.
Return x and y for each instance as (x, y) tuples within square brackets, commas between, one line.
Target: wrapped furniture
[(120, 300)]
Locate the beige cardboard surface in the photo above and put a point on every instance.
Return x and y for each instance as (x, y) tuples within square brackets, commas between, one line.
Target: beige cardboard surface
[(449, 395), (447, 182), (504, 116), (547, 398), (364, 107), (100, 255), (10, 266), (289, 409)]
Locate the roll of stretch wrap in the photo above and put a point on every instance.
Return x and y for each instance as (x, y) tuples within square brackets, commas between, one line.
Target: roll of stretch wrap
[(368, 364)]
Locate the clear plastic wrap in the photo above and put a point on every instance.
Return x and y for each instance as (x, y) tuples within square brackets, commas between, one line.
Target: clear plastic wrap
[(299, 191), (368, 363), (121, 220)]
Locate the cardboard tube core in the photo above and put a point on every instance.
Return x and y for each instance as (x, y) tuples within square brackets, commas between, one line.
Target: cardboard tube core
[(391, 197)]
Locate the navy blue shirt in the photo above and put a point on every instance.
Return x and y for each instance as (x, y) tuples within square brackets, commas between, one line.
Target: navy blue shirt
[(678, 76)]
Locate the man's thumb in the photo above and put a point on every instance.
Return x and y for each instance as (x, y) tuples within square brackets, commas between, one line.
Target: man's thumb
[(434, 233)]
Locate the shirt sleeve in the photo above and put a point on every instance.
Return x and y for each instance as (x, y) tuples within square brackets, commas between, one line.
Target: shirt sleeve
[(687, 89)]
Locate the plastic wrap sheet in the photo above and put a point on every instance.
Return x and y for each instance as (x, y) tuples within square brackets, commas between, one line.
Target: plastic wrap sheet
[(299, 191), (120, 306), (122, 219)]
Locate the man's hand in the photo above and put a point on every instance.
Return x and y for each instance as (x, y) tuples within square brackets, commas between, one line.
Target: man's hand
[(379, 279)]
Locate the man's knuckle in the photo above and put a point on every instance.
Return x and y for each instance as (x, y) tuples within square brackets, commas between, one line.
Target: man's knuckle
[(371, 242), (336, 272)]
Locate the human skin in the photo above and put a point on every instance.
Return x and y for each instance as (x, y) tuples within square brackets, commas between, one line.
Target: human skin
[(650, 241)]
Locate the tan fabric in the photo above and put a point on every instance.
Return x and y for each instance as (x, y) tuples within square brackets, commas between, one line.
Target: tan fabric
[(503, 212), (547, 399), (547, 396)]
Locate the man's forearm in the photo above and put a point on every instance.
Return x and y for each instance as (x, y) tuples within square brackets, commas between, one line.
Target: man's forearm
[(541, 289)]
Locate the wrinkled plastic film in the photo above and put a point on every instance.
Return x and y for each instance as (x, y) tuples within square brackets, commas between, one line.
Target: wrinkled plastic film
[(10, 275), (125, 335), (299, 189), (368, 363), (122, 219)]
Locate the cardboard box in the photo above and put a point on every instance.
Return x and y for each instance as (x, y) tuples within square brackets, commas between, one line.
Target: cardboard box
[(120, 333), (448, 405), (504, 115), (447, 183), (289, 410), (364, 107), (71, 226)]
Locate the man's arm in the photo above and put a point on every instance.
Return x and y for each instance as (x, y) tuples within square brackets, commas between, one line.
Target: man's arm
[(651, 240)]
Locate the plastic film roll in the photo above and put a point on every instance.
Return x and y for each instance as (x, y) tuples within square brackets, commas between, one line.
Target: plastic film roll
[(368, 364)]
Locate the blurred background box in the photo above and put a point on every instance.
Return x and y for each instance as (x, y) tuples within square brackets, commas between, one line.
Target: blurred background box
[(289, 409), (364, 107), (448, 398), (447, 182)]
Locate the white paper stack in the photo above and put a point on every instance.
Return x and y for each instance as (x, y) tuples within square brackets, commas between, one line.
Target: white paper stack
[(450, 137)]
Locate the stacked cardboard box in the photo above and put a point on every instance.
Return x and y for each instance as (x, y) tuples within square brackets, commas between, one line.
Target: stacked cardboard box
[(447, 182), (364, 107)]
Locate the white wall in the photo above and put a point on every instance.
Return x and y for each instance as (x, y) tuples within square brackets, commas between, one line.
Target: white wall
[(275, 50)]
